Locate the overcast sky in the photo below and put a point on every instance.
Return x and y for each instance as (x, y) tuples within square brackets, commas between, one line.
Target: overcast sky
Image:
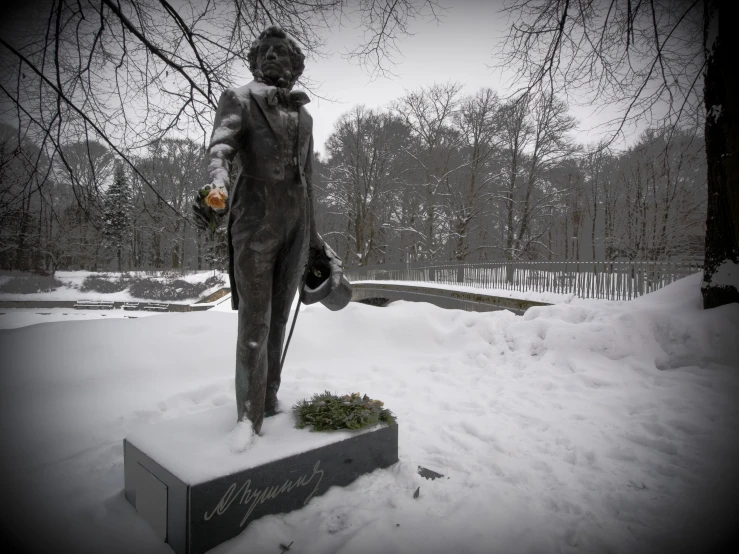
[(461, 47)]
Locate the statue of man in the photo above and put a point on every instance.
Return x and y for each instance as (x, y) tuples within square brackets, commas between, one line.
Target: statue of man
[(271, 225)]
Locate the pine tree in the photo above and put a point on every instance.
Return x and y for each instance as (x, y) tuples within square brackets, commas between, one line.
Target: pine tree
[(118, 206)]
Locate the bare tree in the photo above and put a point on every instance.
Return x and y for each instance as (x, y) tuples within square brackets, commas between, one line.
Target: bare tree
[(176, 167), (562, 211), (429, 113), (385, 24), (129, 73), (550, 145), (662, 200), (534, 134), (25, 176), (594, 162), (82, 200), (470, 192), (649, 58), (365, 166), (516, 132), (637, 56)]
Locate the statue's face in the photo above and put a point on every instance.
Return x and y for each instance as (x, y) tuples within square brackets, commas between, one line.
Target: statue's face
[(273, 59)]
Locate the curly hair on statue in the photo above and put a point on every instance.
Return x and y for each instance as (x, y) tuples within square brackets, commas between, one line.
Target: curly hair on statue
[(296, 54)]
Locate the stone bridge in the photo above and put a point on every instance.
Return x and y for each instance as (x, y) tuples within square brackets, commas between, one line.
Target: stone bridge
[(380, 294)]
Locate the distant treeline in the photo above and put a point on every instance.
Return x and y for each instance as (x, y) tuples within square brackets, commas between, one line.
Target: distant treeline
[(105, 217), (435, 176)]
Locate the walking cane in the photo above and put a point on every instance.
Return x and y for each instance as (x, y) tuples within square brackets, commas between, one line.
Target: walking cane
[(292, 327)]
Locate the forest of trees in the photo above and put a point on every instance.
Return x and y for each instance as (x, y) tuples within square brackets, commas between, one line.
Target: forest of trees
[(441, 176), (435, 176), (104, 218)]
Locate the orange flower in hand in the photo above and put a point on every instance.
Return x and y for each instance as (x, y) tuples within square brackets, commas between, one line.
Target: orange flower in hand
[(216, 199)]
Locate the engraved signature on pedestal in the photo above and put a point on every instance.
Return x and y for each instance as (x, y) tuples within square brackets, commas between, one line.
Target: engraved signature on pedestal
[(253, 498)]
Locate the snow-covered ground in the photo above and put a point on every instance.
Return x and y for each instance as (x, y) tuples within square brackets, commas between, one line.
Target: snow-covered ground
[(588, 426), (12, 318)]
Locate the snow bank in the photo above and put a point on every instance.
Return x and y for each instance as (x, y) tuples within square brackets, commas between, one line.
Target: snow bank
[(590, 426)]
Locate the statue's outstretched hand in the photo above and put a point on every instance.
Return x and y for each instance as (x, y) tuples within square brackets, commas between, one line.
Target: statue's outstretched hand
[(209, 209)]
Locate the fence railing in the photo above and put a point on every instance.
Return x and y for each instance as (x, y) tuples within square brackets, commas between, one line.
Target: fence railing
[(605, 280)]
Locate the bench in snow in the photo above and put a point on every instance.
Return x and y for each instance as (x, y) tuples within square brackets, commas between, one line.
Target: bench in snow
[(156, 307), (94, 305), (130, 306)]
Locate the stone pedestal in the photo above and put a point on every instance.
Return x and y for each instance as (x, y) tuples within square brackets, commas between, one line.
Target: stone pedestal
[(181, 476)]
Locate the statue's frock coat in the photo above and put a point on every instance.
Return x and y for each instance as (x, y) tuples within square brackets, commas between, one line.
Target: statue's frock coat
[(269, 228)]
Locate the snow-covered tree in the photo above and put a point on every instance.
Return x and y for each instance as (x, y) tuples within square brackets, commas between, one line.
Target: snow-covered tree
[(118, 227)]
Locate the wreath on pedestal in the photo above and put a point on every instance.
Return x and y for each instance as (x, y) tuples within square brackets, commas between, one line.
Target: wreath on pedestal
[(330, 412)]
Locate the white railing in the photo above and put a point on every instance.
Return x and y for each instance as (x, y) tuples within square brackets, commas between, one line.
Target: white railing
[(605, 280)]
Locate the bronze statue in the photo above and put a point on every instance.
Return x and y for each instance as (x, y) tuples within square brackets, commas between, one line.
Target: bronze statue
[(272, 237)]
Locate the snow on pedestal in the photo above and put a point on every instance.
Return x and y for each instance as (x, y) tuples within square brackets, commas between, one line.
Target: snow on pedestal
[(185, 477)]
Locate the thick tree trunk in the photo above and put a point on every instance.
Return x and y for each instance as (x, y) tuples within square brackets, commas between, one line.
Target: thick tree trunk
[(721, 42)]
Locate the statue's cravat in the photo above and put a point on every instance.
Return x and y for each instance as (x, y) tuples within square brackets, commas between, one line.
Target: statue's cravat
[(286, 97)]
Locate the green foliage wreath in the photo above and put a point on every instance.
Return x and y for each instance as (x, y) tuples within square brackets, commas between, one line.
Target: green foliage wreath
[(329, 412)]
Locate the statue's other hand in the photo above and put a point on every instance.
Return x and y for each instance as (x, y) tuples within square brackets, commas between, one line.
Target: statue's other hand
[(323, 261), (321, 251), (324, 279), (332, 255)]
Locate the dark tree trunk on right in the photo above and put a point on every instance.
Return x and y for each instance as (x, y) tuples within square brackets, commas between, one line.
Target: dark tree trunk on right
[(722, 153)]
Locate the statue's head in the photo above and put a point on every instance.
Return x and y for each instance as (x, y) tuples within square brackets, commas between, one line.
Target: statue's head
[(276, 59)]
